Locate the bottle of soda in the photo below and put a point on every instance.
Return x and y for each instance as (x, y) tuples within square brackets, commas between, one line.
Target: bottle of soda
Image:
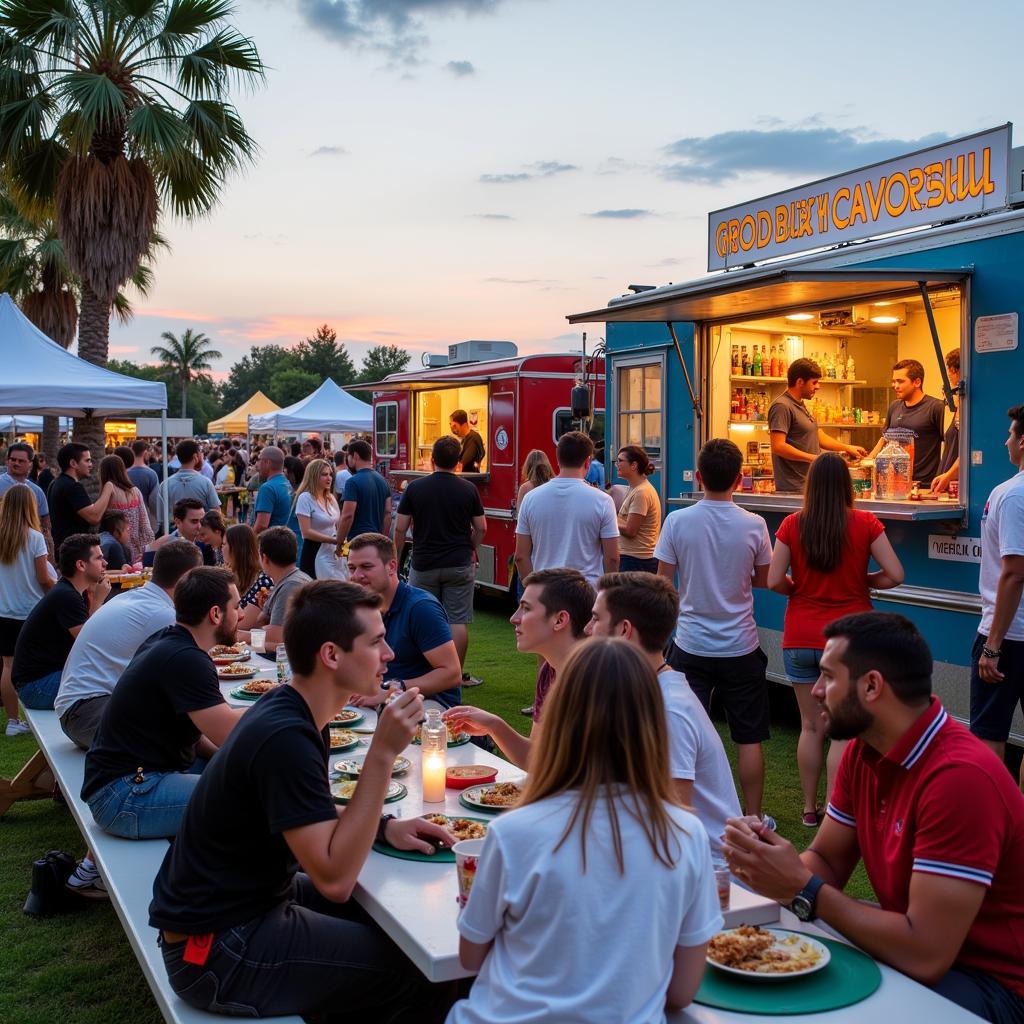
[(757, 361)]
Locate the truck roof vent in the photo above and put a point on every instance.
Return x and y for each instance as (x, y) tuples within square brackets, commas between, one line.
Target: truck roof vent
[(476, 350)]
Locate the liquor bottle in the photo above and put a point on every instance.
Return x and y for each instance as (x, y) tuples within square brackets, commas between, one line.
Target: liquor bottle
[(757, 362), (735, 360), (773, 365), (765, 364), (851, 369)]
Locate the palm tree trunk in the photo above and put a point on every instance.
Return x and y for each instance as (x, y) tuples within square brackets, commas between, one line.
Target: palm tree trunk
[(93, 343), (184, 397), (51, 440)]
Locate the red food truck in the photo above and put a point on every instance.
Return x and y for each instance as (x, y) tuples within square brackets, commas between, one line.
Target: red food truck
[(516, 403)]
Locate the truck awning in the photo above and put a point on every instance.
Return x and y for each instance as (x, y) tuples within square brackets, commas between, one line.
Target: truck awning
[(415, 382), (764, 292)]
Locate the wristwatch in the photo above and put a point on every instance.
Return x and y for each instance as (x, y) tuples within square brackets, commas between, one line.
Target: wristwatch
[(805, 902), (382, 828)]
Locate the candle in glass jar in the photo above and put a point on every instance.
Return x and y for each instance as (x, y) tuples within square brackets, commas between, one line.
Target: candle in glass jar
[(433, 776)]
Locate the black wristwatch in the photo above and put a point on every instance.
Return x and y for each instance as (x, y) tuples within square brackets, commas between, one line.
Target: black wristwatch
[(805, 903), (382, 828)]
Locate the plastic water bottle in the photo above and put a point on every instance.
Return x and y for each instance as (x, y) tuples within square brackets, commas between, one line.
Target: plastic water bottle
[(284, 669)]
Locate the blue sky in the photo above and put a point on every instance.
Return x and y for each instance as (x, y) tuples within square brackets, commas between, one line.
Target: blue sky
[(434, 170)]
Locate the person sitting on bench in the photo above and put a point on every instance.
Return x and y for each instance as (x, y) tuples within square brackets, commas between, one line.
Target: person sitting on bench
[(242, 932), (165, 712)]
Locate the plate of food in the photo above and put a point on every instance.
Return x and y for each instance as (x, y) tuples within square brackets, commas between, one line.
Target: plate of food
[(236, 670), (766, 954), (459, 827), (346, 718), (455, 739), (343, 791), (462, 776), (497, 797), (353, 766), (254, 689), (225, 654), (343, 739)]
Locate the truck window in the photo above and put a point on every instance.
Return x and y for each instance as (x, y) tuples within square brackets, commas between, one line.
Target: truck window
[(385, 429)]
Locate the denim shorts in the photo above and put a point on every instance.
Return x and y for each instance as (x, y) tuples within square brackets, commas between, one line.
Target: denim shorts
[(39, 694), (802, 664)]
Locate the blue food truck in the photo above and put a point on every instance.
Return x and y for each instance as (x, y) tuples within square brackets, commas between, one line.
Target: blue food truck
[(914, 258)]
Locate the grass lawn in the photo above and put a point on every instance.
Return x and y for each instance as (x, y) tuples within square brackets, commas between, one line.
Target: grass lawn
[(79, 969)]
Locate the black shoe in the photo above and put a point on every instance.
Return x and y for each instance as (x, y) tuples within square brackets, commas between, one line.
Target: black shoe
[(49, 877)]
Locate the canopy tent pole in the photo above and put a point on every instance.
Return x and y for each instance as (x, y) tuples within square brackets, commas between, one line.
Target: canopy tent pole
[(163, 461)]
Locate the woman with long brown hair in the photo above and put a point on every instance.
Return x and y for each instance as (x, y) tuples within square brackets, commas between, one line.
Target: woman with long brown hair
[(821, 562), (536, 471), (598, 834), (127, 498), (317, 510), (25, 575), (640, 512), (241, 556)]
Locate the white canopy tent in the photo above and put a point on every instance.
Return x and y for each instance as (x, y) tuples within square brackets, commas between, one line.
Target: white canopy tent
[(328, 409), (28, 424), (40, 378)]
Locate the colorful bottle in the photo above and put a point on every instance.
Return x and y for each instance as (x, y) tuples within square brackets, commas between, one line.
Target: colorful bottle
[(851, 369), (744, 362), (735, 360), (757, 362)]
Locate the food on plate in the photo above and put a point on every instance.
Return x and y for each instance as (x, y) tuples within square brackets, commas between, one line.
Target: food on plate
[(501, 794), (460, 828), (260, 686), (462, 776), (237, 668), (354, 765), (261, 597), (345, 716), (341, 738), (344, 790), (224, 654), (749, 948)]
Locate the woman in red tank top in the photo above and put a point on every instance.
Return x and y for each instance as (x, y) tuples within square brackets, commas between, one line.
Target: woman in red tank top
[(821, 563)]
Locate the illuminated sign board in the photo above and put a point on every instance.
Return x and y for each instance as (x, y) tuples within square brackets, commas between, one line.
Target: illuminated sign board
[(955, 179)]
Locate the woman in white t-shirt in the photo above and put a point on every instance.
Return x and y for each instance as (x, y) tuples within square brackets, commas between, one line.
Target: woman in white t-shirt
[(317, 511), (594, 900), (25, 575)]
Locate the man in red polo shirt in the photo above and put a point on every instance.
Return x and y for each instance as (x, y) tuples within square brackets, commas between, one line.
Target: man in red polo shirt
[(935, 816)]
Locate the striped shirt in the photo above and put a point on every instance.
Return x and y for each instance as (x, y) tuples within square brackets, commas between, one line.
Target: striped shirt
[(940, 803)]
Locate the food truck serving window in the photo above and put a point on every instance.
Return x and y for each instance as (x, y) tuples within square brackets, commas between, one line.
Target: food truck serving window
[(385, 419), (432, 419), (639, 389)]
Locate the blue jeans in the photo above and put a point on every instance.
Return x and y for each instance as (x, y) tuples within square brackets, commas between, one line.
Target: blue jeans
[(151, 809), (308, 955), (39, 694), (630, 563), (983, 995)]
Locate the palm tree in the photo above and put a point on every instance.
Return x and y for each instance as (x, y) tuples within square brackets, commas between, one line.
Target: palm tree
[(111, 109), (184, 357), (35, 271)]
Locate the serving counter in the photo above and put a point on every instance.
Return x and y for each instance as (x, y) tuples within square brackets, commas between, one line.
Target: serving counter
[(784, 503)]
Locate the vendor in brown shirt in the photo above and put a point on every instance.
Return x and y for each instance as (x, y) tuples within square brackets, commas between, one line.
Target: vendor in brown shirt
[(796, 437)]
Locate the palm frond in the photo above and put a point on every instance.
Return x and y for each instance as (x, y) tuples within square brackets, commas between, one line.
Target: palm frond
[(32, 175), (155, 128), (98, 100)]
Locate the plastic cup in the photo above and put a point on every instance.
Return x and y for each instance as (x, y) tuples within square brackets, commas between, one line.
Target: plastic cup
[(467, 854), (258, 640), (723, 883)]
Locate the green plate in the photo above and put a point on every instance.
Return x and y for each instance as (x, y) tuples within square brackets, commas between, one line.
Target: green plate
[(359, 717), (459, 740), (441, 856), (850, 977), (239, 694), (342, 795)]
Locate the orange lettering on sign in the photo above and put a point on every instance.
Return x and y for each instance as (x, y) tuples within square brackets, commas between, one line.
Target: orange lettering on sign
[(857, 210), (840, 222), (722, 239), (893, 208), (764, 228), (748, 233), (781, 224), (916, 176), (875, 198), (822, 201), (985, 183), (734, 235), (933, 182)]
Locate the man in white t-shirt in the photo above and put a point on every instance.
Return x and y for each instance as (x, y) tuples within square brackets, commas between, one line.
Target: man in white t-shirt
[(719, 552), (110, 638), (642, 609), (997, 661), (565, 523)]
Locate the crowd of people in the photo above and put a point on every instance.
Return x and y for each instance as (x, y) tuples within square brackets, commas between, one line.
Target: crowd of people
[(630, 804)]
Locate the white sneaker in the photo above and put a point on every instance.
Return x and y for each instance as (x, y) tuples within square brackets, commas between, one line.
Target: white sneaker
[(16, 727)]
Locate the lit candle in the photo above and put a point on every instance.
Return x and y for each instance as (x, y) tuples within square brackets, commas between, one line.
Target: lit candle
[(433, 776)]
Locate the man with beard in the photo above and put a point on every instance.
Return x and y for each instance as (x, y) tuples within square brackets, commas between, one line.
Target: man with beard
[(936, 817), (166, 715)]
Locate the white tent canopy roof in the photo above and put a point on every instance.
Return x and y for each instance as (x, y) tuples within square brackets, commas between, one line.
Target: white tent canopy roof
[(327, 409), (40, 377), (28, 424)]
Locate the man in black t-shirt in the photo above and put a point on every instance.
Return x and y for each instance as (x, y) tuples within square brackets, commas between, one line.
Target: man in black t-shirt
[(45, 640), (471, 454), (448, 525), (71, 511), (239, 926), (165, 712)]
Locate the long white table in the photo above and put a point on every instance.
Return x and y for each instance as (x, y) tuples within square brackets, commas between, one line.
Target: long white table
[(415, 904)]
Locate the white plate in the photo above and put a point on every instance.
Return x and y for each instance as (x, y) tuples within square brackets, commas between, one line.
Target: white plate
[(781, 934), (353, 766), (472, 795)]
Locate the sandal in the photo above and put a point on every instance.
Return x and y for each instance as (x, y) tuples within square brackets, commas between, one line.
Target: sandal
[(812, 819)]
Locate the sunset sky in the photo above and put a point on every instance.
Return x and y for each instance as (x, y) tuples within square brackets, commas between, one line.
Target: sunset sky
[(435, 170)]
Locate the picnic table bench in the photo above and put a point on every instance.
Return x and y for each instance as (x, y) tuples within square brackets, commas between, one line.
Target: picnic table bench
[(127, 866)]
